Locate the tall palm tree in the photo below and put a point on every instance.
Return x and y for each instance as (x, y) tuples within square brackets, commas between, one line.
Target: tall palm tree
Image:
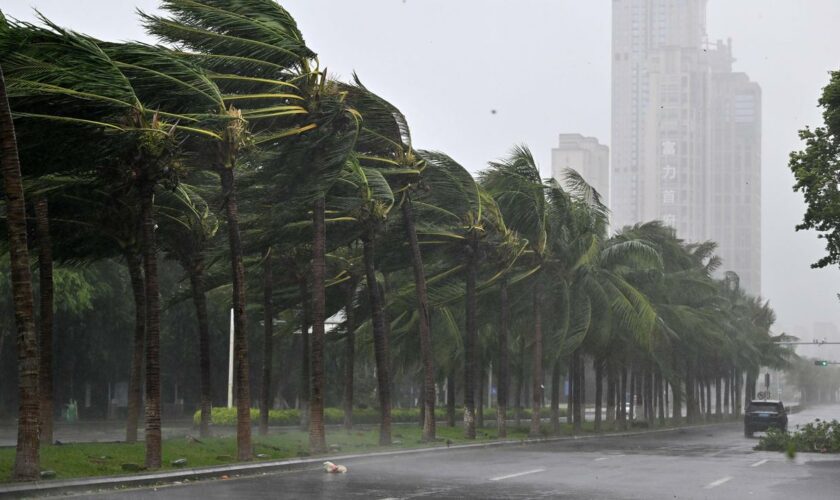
[(384, 142), (115, 87), (187, 228), (462, 224), (518, 189), (27, 461), (255, 44), (369, 201)]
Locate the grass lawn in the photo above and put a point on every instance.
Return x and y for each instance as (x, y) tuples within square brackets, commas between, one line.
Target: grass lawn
[(106, 459)]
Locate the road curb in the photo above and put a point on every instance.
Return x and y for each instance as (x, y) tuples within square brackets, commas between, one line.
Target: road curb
[(71, 486)]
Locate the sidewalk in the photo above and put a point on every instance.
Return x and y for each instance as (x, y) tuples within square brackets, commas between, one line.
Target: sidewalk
[(97, 431)]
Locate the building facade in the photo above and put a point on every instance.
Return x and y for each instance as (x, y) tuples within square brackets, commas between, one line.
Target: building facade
[(686, 132), (588, 157)]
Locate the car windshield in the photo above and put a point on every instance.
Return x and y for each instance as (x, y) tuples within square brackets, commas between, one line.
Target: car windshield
[(774, 407)]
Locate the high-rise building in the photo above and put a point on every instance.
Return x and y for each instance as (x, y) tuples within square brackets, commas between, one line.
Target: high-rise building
[(587, 157), (686, 132), (734, 194)]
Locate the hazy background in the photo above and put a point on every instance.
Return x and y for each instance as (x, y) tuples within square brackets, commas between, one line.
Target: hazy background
[(544, 66)]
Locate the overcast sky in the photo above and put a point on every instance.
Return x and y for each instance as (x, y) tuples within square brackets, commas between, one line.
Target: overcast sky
[(544, 66)]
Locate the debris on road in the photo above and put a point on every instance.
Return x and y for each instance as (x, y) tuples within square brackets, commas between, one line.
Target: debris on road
[(333, 468)]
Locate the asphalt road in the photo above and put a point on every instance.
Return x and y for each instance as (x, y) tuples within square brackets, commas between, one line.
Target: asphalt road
[(715, 462)]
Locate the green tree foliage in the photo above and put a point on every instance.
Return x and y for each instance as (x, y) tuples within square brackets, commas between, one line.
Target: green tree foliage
[(817, 172)]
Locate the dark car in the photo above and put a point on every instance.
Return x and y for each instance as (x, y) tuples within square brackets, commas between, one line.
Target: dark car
[(763, 414)]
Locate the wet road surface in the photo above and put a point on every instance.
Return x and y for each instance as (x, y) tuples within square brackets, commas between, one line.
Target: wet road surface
[(715, 462)]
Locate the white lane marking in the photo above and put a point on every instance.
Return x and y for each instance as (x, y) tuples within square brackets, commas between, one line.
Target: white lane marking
[(499, 478), (715, 484), (602, 458), (760, 462)]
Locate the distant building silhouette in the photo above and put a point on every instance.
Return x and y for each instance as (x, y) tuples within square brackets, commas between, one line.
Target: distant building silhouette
[(585, 155), (686, 132)]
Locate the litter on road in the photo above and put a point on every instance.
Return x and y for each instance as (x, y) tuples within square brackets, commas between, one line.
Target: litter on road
[(334, 468)]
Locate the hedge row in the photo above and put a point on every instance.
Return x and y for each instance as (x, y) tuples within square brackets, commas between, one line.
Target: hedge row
[(227, 416)]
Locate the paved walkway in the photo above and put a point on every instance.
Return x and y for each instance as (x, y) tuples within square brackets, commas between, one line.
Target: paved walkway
[(96, 431)]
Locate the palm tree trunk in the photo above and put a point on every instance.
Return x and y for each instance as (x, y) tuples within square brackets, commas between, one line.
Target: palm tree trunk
[(45, 275), (317, 437), (570, 397), (676, 403), (153, 432), (651, 381), (349, 353), (240, 339), (450, 400), (27, 460), (660, 397), (690, 393), (305, 356), (611, 395), (268, 341), (708, 399), (421, 416), (634, 393), (504, 361), (555, 398), (537, 360), (599, 392), (573, 391), (622, 393), (380, 339), (726, 394), (135, 380), (482, 379), (471, 312), (200, 303), (580, 393), (424, 324), (520, 383)]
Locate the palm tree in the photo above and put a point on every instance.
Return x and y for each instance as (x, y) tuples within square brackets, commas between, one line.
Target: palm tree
[(517, 187), (187, 228), (114, 87), (27, 462), (462, 223), (385, 142), (218, 32), (369, 202), (255, 44)]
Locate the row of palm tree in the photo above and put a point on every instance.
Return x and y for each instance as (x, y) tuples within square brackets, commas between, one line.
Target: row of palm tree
[(232, 129)]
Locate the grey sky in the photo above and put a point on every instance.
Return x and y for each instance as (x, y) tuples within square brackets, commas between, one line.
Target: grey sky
[(544, 65)]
